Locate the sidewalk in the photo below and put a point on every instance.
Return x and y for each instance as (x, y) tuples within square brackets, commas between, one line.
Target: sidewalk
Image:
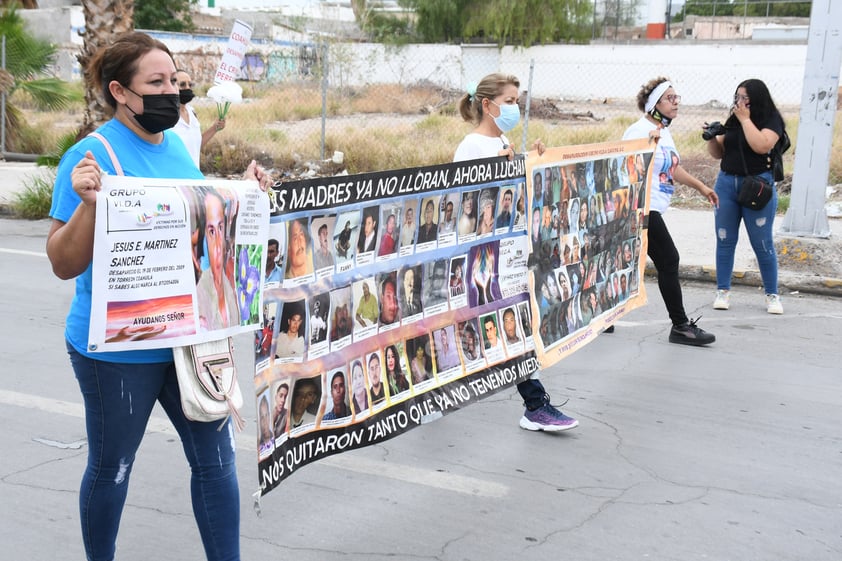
[(805, 264), (810, 265)]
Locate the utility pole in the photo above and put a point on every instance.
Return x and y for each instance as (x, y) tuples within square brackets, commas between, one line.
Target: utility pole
[(806, 215)]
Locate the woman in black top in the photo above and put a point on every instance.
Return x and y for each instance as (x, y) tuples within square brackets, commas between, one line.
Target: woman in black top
[(751, 132)]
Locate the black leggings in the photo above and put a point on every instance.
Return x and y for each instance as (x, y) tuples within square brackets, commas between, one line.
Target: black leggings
[(665, 256)]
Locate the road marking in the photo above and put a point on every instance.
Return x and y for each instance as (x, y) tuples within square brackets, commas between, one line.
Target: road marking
[(246, 442), (22, 252)]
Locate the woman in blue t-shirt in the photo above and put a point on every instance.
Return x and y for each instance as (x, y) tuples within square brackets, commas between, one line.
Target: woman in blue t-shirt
[(137, 78)]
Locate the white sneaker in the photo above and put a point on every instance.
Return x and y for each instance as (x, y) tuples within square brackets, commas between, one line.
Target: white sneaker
[(773, 304), (723, 300)]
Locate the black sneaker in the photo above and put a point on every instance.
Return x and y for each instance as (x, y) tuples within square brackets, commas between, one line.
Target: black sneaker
[(691, 334), (609, 329)]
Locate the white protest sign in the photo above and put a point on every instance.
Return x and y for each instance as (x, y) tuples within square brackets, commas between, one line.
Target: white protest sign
[(235, 52)]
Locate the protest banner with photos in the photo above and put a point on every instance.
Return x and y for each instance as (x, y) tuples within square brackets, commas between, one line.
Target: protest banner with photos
[(176, 262), (400, 296), (587, 242)]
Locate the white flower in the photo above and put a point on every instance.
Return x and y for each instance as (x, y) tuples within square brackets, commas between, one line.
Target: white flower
[(224, 95), (226, 92)]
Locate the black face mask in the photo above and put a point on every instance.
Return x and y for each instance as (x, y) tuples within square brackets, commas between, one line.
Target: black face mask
[(185, 96), (160, 112)]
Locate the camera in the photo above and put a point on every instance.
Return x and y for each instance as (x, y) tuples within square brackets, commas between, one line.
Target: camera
[(713, 129)]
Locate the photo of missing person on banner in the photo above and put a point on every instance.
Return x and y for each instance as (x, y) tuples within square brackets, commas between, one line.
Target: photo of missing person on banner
[(319, 314), (341, 322), (395, 368), (321, 230), (492, 343), (264, 336), (444, 344), (434, 283), (366, 310), (469, 341), (420, 359), (280, 410), (376, 386), (468, 213), (457, 276), (337, 406), (448, 210), (213, 236), (359, 388), (367, 239), (428, 231), (388, 296), (290, 342), (487, 206), (299, 260), (265, 436), (390, 215), (348, 224), (410, 291), (504, 216), (306, 398), (409, 226)]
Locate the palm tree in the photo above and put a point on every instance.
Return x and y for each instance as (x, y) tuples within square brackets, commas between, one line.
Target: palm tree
[(27, 60), (104, 20), (25, 4)]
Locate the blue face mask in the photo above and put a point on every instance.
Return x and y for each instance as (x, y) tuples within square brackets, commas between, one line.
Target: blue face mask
[(509, 116)]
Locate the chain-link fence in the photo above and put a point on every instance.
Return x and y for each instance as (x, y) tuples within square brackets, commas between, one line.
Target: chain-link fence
[(581, 85), (355, 86)]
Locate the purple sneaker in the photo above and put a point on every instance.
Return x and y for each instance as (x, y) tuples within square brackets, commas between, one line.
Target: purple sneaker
[(547, 418)]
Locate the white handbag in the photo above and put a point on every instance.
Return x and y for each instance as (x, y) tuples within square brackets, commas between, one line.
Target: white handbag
[(207, 381)]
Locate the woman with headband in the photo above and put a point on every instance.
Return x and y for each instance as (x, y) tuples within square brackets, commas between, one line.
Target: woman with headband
[(659, 103)]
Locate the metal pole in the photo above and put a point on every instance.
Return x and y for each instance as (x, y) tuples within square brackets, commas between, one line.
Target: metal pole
[(806, 215), (3, 100), (528, 104), (324, 96)]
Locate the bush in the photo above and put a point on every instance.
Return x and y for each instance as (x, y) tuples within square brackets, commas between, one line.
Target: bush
[(35, 200)]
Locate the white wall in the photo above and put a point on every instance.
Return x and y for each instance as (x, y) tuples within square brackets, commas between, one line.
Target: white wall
[(702, 72)]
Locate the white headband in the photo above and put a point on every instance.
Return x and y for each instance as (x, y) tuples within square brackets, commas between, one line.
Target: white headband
[(656, 95)]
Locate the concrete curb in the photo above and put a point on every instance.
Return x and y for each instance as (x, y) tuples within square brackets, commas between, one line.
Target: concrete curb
[(788, 281)]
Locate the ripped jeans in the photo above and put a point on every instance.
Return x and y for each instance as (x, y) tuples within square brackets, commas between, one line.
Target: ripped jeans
[(118, 401), (758, 224)]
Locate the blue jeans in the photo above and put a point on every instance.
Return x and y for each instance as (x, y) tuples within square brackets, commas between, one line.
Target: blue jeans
[(758, 224), (533, 393), (118, 401)]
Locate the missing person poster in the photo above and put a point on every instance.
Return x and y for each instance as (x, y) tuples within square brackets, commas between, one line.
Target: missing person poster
[(393, 298), (176, 262)]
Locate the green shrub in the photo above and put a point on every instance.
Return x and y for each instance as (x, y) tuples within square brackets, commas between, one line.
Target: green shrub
[(35, 200)]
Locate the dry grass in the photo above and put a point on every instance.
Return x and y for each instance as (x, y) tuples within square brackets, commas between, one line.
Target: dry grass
[(392, 126)]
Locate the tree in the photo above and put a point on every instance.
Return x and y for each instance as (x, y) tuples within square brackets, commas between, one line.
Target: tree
[(164, 15), (25, 4), (27, 61), (528, 22), (104, 20), (440, 21), (751, 8)]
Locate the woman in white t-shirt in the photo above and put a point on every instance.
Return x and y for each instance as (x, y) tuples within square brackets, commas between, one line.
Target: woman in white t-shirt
[(492, 106), (188, 127), (659, 103)]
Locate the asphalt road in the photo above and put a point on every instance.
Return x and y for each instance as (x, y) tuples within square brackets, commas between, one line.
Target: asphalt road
[(732, 452)]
